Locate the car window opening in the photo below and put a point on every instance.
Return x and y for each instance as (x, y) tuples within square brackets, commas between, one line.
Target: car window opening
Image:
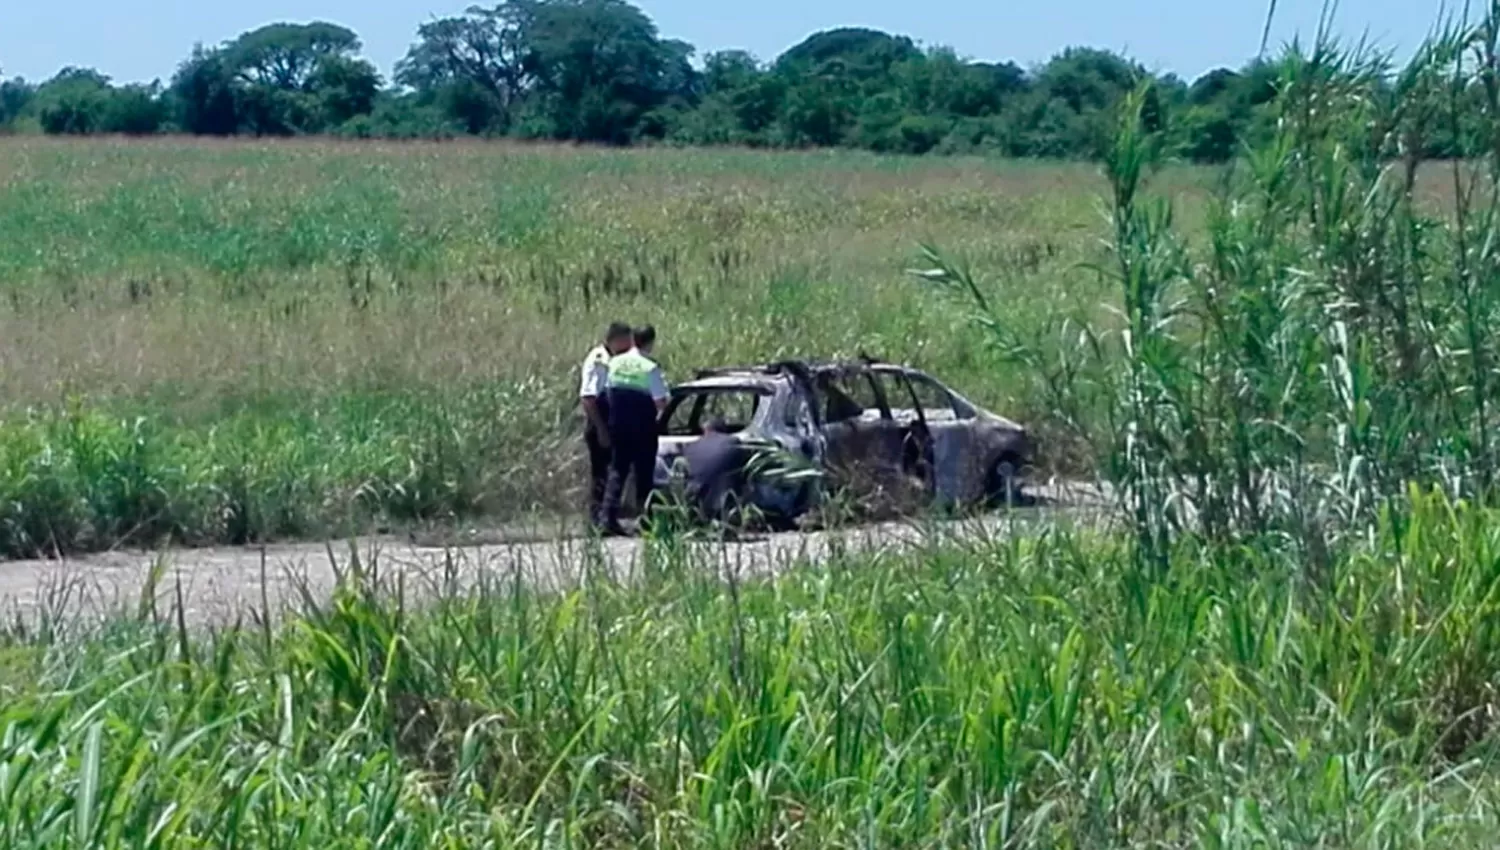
[(689, 413), (842, 398)]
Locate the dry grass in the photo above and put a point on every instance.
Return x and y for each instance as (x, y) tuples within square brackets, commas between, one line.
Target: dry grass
[(488, 263)]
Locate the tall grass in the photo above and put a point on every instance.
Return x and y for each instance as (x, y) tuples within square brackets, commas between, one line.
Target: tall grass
[(239, 295), (78, 479), (1329, 337), (1045, 692)]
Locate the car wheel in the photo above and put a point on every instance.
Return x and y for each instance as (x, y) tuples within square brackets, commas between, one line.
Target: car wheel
[(786, 520), (1003, 484)]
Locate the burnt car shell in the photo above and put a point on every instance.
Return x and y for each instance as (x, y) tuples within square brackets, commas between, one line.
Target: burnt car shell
[(891, 418)]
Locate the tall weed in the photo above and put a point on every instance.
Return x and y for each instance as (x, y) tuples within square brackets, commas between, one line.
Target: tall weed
[(1050, 691), (1328, 340)]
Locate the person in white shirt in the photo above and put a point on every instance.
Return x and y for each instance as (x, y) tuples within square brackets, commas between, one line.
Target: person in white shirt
[(593, 395)]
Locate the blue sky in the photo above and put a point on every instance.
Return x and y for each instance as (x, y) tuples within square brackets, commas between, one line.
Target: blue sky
[(138, 40)]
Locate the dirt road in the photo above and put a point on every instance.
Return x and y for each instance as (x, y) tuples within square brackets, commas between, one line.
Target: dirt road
[(222, 585)]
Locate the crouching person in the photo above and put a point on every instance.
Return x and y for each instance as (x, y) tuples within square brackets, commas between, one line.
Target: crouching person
[(715, 473)]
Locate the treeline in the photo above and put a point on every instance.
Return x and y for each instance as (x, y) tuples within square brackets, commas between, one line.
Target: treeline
[(599, 71)]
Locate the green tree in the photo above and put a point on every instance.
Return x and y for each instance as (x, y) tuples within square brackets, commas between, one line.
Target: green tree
[(405, 115), (600, 68), (588, 70), (1207, 134), (203, 95), (1072, 101), (136, 110), (740, 101), (15, 96), (299, 78), (841, 88), (599, 71), (1088, 81), (287, 56), (820, 111), (856, 53), (345, 88), (73, 102), (81, 101), (1007, 79), (1220, 108), (941, 83), (470, 66)]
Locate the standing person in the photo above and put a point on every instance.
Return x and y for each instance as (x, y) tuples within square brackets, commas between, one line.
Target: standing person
[(592, 394), (637, 396)]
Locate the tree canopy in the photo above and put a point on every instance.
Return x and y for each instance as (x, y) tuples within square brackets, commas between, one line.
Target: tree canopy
[(599, 71)]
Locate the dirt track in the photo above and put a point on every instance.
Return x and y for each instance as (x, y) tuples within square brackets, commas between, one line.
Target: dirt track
[(222, 585)]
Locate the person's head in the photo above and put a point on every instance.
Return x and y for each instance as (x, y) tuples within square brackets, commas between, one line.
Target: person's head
[(618, 338), (645, 338), (715, 425)]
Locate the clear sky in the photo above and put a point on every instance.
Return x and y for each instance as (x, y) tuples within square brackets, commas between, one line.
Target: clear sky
[(138, 40)]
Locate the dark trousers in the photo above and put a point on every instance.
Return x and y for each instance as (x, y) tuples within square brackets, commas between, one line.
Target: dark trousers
[(633, 439), (599, 457), (634, 457)]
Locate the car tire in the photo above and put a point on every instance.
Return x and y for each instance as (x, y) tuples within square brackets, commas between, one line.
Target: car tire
[(783, 521)]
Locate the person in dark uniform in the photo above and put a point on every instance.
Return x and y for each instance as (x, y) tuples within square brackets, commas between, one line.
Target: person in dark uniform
[(637, 394), (595, 401), (715, 463)]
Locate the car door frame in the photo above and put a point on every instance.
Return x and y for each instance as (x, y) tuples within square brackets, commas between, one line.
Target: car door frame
[(811, 434), (957, 466), (918, 454), (841, 459)]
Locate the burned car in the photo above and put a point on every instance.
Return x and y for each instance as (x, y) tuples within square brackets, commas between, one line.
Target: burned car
[(859, 424)]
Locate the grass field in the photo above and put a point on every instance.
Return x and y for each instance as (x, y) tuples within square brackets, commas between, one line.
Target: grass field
[(235, 341), (240, 341)]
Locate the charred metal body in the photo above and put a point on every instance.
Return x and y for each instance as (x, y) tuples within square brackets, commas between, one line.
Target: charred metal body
[(860, 424)]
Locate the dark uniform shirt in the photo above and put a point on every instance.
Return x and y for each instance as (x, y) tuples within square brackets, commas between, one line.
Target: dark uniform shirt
[(714, 462), (710, 458)]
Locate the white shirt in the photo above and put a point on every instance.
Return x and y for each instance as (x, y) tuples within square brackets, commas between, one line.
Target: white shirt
[(595, 377), (659, 390)]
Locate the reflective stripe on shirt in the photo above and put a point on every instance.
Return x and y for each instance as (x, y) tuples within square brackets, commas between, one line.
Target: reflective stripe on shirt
[(633, 371)]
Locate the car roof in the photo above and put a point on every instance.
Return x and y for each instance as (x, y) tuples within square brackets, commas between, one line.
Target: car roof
[(732, 381), (790, 366), (770, 374)]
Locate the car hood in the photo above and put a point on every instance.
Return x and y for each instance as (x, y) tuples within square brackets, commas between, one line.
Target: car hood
[(1001, 421)]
